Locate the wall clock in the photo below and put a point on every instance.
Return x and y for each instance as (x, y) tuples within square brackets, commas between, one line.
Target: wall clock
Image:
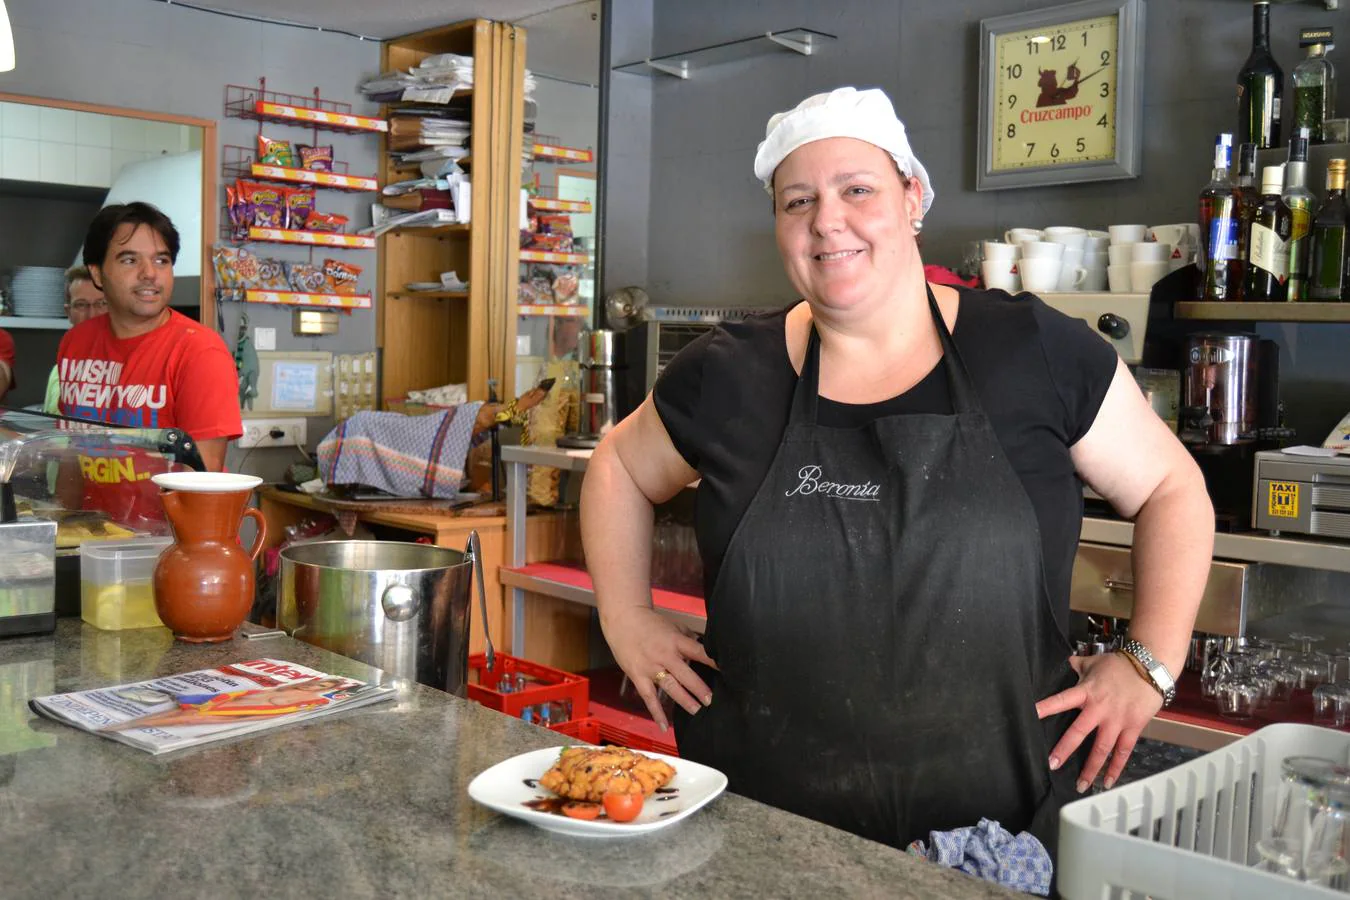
[(1061, 93)]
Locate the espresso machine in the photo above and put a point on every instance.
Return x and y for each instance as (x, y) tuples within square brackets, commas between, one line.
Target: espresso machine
[(1230, 411)]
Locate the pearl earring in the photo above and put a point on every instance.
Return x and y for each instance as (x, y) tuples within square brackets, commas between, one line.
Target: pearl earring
[(916, 224)]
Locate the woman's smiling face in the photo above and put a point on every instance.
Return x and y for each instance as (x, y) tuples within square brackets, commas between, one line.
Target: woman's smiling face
[(842, 214)]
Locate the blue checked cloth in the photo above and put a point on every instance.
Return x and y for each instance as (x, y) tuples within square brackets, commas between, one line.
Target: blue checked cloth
[(989, 851), (408, 456)]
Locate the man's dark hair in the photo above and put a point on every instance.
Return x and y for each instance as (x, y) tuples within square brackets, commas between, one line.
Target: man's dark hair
[(110, 218)]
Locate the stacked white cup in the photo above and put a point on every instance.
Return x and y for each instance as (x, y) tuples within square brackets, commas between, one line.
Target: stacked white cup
[(1000, 266), (1136, 260)]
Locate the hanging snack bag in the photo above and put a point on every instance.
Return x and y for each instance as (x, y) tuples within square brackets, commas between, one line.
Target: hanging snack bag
[(306, 278), (271, 275), (316, 159), (342, 277), (241, 214), (299, 207), (329, 222), (555, 224), (565, 288), (227, 278), (268, 204), (275, 153), (246, 270)]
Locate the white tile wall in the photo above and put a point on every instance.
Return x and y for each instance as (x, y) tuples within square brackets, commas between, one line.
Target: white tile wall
[(72, 147)]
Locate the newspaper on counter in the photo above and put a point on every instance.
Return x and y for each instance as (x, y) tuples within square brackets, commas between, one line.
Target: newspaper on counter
[(180, 711)]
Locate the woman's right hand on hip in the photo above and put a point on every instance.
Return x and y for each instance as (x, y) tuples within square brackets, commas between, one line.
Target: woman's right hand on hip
[(654, 653)]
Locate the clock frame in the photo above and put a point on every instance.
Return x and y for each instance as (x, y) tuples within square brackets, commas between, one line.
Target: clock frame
[(1052, 139)]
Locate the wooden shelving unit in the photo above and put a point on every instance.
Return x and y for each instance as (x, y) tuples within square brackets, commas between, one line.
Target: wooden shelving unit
[(427, 341), (1299, 311)]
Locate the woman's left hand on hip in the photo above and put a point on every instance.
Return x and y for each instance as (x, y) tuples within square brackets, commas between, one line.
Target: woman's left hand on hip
[(1115, 702)]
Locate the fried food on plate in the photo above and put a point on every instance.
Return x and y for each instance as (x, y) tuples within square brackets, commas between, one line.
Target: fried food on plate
[(588, 773)]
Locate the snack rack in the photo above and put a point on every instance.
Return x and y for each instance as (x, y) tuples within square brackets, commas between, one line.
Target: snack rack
[(318, 115)]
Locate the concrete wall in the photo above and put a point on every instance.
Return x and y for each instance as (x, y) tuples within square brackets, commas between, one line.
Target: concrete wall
[(166, 58), (710, 239)]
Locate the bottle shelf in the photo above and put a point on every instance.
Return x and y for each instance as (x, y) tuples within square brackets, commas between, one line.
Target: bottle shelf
[(296, 298), (681, 65), (558, 310), (1238, 311), (574, 584), (312, 238), (544, 256)]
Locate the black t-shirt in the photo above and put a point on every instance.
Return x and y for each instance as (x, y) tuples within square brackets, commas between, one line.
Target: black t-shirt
[(1041, 376)]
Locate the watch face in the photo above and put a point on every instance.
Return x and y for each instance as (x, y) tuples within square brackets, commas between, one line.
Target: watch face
[(1055, 95)]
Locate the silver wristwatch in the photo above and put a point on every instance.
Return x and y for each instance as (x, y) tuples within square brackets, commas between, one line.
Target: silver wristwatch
[(1157, 672)]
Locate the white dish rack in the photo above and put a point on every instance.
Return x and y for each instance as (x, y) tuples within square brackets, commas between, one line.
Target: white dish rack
[(1189, 833)]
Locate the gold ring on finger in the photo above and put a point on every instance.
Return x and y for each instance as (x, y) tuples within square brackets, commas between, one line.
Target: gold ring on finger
[(660, 676)]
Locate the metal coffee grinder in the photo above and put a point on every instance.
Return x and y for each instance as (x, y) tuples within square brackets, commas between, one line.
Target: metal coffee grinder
[(601, 372), (1229, 410)]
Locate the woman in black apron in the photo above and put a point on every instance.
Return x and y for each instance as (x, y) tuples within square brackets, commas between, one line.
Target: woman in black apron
[(881, 653)]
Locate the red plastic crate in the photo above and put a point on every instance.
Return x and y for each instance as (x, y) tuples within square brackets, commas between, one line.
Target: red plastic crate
[(548, 685), (634, 732), (587, 729)]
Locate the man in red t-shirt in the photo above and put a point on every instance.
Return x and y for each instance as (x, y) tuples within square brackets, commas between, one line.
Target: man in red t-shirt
[(143, 365)]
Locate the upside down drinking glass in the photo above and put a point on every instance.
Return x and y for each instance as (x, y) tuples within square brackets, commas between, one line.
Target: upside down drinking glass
[(1309, 825)]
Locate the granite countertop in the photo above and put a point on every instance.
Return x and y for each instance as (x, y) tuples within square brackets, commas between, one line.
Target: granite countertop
[(371, 802)]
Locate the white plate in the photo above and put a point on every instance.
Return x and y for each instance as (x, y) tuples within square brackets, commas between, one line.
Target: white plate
[(206, 482), (507, 787)]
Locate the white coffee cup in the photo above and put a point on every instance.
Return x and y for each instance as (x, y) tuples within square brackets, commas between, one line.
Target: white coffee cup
[(1119, 278), (1071, 277), (1097, 233), (1096, 244), (1120, 254), (1000, 275), (1150, 251), (1042, 250), (1143, 274), (1127, 234), (1018, 235), (1095, 279), (1094, 258), (1184, 238), (1067, 235), (997, 250), (1040, 274)]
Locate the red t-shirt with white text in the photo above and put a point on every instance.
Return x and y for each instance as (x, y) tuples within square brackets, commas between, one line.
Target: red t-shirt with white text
[(181, 375)]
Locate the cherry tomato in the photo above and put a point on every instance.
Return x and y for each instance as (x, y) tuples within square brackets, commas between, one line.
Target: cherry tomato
[(623, 807), (579, 809)]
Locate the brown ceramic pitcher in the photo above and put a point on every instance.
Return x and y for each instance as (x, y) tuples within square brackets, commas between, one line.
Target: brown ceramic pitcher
[(204, 580)]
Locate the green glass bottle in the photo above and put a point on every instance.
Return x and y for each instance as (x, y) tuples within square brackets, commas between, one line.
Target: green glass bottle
[(1260, 86), (1302, 204), (1328, 239), (1314, 83), (1268, 246)]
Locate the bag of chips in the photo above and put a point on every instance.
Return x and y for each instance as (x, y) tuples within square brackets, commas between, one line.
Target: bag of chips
[(316, 159), (227, 278), (306, 278), (275, 153), (342, 277), (246, 270), (329, 222), (271, 275), (240, 212), (268, 203), (299, 207)]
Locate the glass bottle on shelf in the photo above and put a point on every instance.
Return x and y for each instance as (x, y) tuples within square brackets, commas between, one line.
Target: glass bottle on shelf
[(1260, 86), (1219, 226), (1302, 204), (1328, 276), (1314, 83), (1268, 245), (1249, 199)]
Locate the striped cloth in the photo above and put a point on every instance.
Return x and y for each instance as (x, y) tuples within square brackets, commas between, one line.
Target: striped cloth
[(408, 456), (989, 851)]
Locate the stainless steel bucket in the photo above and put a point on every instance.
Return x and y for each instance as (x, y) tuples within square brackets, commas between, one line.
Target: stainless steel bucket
[(401, 607)]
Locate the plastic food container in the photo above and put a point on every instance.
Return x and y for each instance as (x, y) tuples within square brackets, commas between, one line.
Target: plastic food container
[(1191, 831), (116, 586)]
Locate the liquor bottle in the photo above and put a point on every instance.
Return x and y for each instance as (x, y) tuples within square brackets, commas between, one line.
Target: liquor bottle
[(1260, 86), (1268, 246), (1219, 226), (1249, 199), (1302, 204), (1327, 277), (1314, 83)]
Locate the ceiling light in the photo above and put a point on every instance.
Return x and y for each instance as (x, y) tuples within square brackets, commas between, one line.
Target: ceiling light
[(6, 41)]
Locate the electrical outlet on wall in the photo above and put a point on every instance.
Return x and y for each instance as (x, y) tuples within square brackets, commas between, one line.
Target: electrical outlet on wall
[(272, 433)]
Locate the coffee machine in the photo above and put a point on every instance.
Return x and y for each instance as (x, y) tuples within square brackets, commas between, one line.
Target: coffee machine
[(1230, 410)]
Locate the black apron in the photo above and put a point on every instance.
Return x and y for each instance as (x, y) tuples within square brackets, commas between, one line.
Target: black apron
[(883, 630)]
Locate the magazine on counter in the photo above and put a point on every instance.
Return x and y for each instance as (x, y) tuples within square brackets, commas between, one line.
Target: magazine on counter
[(180, 711)]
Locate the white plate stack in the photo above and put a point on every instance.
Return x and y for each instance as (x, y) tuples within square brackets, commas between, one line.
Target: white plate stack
[(38, 291)]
